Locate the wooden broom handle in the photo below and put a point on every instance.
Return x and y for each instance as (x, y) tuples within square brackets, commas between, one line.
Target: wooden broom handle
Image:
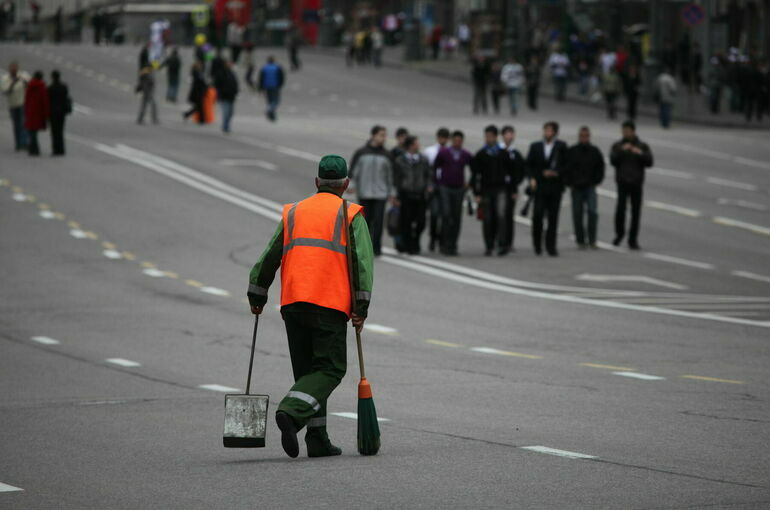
[(349, 256)]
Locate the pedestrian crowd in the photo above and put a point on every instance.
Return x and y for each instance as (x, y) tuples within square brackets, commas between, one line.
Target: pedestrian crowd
[(408, 188), (33, 106)]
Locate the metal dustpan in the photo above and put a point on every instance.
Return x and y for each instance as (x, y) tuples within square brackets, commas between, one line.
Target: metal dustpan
[(246, 414)]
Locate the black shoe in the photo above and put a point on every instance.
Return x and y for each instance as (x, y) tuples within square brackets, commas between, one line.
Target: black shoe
[(617, 241), (582, 246), (317, 447), (593, 246), (502, 252), (538, 251), (288, 434), (634, 246), (553, 253)]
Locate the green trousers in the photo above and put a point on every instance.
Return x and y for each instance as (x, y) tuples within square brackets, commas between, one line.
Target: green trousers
[(319, 360)]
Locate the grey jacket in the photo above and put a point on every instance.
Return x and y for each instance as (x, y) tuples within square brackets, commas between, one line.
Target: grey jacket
[(371, 171), (412, 175)]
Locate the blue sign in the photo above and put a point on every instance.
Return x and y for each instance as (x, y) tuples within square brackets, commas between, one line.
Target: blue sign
[(693, 14)]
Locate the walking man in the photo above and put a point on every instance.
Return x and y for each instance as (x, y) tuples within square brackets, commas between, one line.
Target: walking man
[(270, 82), (449, 176), (227, 89), (630, 157), (412, 177), (665, 89), (434, 204), (60, 105), (197, 93), (173, 65), (480, 75), (146, 87), (371, 170), (585, 171), (310, 248), (512, 75), (546, 161), (518, 169), (14, 86), (558, 63)]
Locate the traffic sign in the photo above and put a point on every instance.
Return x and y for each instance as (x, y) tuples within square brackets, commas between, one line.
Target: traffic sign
[(693, 14)]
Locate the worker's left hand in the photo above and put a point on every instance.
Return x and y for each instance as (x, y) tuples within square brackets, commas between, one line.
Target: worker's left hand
[(358, 322), (257, 310)]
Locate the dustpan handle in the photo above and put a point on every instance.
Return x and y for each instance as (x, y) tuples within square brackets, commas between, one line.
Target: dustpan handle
[(251, 360)]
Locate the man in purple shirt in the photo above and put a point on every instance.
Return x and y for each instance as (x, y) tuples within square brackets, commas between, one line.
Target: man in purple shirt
[(449, 175)]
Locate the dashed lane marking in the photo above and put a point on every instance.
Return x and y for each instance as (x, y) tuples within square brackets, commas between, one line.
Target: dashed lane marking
[(48, 215), (194, 283), (4, 487), (671, 173), (123, 362), (729, 222), (219, 387), (712, 379), (684, 211), (636, 375), (559, 453), (45, 340), (215, 291), (78, 234), (742, 203), (731, 184), (751, 276), (491, 350), (354, 416), (629, 278), (155, 273), (266, 165), (128, 255), (677, 260), (112, 254), (608, 367), (147, 265), (19, 197), (442, 343), (378, 328)]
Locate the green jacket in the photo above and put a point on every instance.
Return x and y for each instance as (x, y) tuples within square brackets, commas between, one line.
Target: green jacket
[(263, 272)]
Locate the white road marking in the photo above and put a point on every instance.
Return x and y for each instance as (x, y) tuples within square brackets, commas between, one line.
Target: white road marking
[(155, 273), (558, 453), (728, 222), (4, 487), (249, 162), (671, 173), (604, 192), (280, 148), (123, 362), (19, 197), (112, 254), (742, 203), (79, 108), (45, 340), (628, 278), (215, 291), (377, 328), (78, 234), (219, 387), (731, 184), (680, 261), (49, 215), (692, 213), (354, 416), (491, 350), (637, 375), (751, 276)]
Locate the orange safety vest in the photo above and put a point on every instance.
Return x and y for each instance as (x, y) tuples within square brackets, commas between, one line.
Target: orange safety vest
[(314, 267)]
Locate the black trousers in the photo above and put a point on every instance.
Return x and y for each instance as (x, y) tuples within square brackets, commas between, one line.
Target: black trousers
[(34, 146), (451, 217), (498, 219), (374, 212), (532, 93), (547, 205), (197, 107), (412, 222), (631, 102), (479, 98), (57, 134), (434, 204), (626, 193)]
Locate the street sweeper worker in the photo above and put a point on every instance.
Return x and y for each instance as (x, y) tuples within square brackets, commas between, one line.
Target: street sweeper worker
[(310, 247)]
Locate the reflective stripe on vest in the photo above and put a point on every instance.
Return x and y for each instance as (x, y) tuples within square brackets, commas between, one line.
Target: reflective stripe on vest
[(314, 264)]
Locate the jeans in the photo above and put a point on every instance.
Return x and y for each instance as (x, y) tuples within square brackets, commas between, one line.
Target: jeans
[(584, 197), (411, 222), (513, 93), (227, 114), (19, 133), (57, 134), (148, 99), (498, 219), (665, 114), (633, 193), (434, 205), (547, 205), (172, 91), (451, 216), (374, 212), (273, 96)]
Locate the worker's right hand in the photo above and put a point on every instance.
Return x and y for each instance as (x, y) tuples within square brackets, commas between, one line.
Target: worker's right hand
[(358, 322), (257, 310)]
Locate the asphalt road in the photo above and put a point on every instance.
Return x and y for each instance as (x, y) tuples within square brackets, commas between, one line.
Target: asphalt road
[(607, 379)]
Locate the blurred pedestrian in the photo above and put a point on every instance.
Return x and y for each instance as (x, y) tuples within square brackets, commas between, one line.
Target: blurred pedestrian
[(435, 40), (294, 42), (36, 110), (763, 100), (144, 56), (173, 65), (378, 41), (532, 77), (546, 163), (434, 203), (349, 42), (197, 93), (159, 35), (610, 89), (665, 89), (14, 86), (630, 157), (583, 173), (512, 75), (480, 76), (235, 40), (146, 87), (517, 172), (464, 36), (449, 176), (400, 148), (60, 105), (631, 84), (498, 87), (491, 186), (371, 170), (715, 81), (227, 90), (413, 180), (270, 82), (751, 92), (217, 65), (558, 63)]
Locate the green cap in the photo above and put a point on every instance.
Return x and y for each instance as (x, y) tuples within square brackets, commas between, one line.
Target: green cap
[(332, 167)]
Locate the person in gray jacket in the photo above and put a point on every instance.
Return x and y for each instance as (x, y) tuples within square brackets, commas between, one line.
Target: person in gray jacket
[(412, 176), (371, 173)]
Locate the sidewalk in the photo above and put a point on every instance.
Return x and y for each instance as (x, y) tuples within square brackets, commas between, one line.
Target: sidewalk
[(690, 108)]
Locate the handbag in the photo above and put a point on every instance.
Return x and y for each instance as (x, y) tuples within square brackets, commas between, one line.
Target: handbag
[(394, 221)]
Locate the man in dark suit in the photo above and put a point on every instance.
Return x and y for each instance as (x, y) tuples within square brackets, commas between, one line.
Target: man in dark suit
[(546, 162)]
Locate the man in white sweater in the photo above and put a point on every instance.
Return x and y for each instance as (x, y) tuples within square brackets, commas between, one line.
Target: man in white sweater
[(14, 85), (512, 76)]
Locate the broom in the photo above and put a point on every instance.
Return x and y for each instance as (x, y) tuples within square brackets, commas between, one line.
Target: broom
[(368, 428)]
